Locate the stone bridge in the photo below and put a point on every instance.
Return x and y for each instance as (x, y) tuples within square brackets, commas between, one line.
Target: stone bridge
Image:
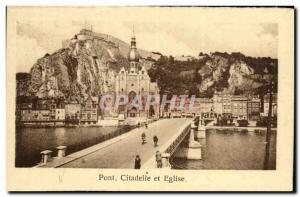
[(120, 151)]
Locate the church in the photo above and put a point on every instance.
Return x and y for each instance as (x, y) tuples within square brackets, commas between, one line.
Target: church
[(136, 82)]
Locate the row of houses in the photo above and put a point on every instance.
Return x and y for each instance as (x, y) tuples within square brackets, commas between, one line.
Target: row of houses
[(86, 111), (36, 111), (226, 105), (237, 106)]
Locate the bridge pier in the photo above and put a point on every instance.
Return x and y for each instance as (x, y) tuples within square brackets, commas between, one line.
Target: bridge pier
[(191, 149), (201, 131), (194, 147)]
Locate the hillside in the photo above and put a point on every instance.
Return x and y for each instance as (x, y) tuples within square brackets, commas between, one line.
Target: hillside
[(234, 73), (86, 65)]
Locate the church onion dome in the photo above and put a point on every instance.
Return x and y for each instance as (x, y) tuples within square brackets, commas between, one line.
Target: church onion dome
[(133, 55)]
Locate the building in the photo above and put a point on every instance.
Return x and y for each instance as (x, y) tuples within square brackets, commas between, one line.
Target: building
[(226, 104), (217, 104), (57, 110), (206, 107), (89, 111), (24, 103), (46, 111), (254, 108), (186, 106), (135, 83), (26, 115), (36, 115), (195, 106), (222, 104), (72, 112), (266, 105), (60, 114), (239, 107)]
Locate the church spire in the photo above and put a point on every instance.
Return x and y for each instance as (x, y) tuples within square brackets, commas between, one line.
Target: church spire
[(133, 31), (133, 41), (133, 55)]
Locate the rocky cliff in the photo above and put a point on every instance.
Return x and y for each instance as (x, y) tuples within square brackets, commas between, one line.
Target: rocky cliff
[(234, 73), (86, 65)]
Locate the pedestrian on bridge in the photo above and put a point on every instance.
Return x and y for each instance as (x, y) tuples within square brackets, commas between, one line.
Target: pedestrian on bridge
[(143, 138), (137, 162), (155, 140), (158, 158)]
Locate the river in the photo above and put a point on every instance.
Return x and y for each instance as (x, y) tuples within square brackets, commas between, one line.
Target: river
[(231, 151), (31, 141)]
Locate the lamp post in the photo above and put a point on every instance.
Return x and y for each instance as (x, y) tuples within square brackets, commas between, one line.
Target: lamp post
[(268, 134)]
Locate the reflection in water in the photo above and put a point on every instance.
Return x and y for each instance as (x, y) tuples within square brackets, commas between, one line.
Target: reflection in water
[(60, 134), (231, 150), (31, 141)]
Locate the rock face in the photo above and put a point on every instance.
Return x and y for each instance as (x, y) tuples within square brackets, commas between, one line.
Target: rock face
[(86, 65), (229, 73)]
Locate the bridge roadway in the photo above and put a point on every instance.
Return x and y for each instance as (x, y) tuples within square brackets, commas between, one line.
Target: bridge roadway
[(120, 152)]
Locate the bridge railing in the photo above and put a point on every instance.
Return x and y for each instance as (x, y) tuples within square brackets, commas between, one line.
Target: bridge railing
[(169, 148), (173, 146), (176, 142)]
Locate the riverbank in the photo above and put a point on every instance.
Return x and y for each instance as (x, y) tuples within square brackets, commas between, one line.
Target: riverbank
[(252, 129), (100, 123)]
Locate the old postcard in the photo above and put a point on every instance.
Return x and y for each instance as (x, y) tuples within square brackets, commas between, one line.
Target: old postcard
[(150, 99)]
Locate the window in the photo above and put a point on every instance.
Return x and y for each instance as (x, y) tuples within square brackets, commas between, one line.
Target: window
[(132, 84), (122, 89)]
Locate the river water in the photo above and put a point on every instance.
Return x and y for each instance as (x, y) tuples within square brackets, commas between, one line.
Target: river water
[(31, 141), (232, 151)]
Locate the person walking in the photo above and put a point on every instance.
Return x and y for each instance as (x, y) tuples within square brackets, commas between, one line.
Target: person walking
[(137, 162), (143, 138), (158, 159), (155, 140)]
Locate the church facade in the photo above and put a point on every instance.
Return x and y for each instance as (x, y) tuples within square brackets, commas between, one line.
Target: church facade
[(135, 83)]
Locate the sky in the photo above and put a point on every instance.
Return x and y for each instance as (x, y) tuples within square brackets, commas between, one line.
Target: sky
[(168, 36)]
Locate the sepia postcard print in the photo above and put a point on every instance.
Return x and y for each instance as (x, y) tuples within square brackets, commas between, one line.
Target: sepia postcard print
[(150, 99)]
